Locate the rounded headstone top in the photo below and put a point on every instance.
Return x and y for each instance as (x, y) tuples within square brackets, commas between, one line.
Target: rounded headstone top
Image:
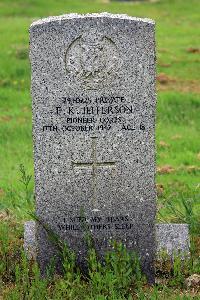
[(92, 15)]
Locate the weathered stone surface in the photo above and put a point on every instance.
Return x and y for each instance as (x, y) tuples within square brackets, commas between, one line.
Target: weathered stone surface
[(30, 243), (93, 91), (173, 239)]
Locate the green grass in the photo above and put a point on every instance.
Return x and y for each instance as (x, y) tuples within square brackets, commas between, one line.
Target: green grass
[(178, 108), (177, 112)]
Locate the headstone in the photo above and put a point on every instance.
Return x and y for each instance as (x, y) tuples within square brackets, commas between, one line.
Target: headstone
[(30, 244), (93, 92), (171, 240)]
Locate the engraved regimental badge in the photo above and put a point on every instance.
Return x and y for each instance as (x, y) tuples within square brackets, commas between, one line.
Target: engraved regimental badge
[(93, 60)]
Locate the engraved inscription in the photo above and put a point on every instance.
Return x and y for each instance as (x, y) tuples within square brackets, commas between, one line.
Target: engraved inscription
[(94, 115), (93, 60), (94, 165), (96, 223)]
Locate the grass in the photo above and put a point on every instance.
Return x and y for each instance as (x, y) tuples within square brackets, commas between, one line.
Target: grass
[(177, 125)]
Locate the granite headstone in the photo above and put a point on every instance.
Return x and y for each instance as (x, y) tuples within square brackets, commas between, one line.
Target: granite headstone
[(93, 94), (172, 240)]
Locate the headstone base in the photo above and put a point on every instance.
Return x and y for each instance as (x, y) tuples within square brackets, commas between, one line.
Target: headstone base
[(171, 238)]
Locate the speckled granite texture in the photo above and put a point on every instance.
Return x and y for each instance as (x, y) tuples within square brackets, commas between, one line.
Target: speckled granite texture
[(172, 239), (30, 244), (93, 95)]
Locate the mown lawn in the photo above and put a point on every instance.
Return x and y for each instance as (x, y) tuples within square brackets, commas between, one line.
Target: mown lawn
[(178, 107)]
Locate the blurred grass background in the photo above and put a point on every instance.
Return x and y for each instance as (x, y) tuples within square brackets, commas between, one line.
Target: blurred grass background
[(178, 108)]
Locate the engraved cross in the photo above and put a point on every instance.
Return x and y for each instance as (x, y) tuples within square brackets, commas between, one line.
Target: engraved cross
[(94, 165)]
